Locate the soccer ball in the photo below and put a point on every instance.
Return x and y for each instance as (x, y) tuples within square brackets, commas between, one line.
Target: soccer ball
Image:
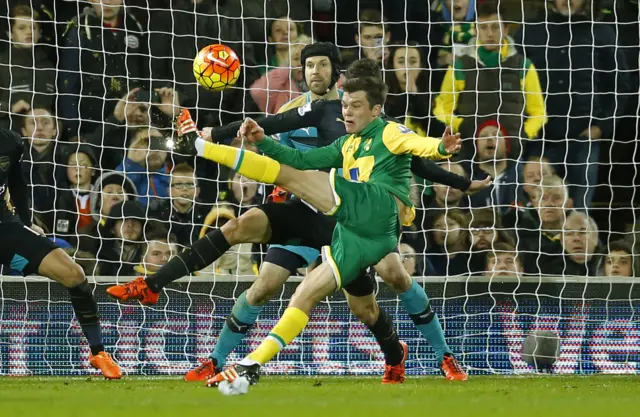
[(216, 67)]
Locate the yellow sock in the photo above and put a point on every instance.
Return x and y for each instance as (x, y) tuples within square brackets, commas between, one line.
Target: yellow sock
[(291, 324), (247, 163)]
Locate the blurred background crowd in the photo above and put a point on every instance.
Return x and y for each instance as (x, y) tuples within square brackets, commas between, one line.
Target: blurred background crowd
[(544, 93)]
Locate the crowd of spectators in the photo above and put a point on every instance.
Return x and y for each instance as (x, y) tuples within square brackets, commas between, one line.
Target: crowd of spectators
[(93, 87)]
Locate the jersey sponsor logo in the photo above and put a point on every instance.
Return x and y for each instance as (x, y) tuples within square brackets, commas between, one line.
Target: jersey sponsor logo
[(304, 109), (132, 41), (404, 129), (5, 163), (354, 173)]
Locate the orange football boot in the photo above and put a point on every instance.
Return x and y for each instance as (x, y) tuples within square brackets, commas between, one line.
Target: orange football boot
[(394, 374), (451, 369), (202, 372), (137, 290), (106, 364)]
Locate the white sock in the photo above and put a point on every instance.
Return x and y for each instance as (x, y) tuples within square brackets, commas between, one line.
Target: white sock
[(249, 362)]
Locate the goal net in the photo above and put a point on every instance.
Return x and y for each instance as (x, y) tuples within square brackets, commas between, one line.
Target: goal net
[(544, 95)]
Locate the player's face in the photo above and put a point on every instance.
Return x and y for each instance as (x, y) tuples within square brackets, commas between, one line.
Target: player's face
[(79, 169), (112, 194), (449, 195), (244, 190), (158, 254), (25, 32), (458, 9), (408, 256), (490, 144), (551, 204), (357, 112), (490, 32), (283, 31), (578, 240), (129, 230), (317, 73), (183, 189), (534, 172), (568, 7), (108, 9), (372, 40), (483, 238), (406, 63), (503, 264), (618, 264), (40, 129)]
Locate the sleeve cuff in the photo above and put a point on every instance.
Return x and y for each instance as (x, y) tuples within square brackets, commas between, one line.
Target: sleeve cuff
[(442, 151)]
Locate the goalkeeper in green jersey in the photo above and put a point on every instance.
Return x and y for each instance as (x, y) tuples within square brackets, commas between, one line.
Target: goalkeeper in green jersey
[(370, 203)]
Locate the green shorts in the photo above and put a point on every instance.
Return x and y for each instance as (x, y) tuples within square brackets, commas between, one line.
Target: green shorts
[(368, 227)]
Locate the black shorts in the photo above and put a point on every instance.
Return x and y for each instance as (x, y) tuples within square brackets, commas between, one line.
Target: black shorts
[(285, 259), (23, 248), (295, 223), (364, 285)]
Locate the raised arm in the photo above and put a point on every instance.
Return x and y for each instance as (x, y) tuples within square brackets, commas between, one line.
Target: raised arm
[(307, 116), (401, 140)]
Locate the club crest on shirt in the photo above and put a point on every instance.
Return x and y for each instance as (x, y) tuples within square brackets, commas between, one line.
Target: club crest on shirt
[(304, 109), (367, 145), (5, 162), (404, 129)]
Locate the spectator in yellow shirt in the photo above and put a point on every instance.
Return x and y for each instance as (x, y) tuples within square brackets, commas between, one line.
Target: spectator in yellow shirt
[(491, 80)]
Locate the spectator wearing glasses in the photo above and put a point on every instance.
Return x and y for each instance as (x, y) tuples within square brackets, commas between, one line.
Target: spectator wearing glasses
[(184, 211), (486, 232), (146, 165), (27, 74)]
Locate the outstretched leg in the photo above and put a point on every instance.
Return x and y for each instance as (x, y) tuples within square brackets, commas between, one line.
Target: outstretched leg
[(252, 227), (247, 308)]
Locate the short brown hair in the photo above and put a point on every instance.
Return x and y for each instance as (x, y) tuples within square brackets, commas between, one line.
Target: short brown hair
[(500, 248), (371, 17), (363, 68), (488, 8), (23, 10), (374, 88)]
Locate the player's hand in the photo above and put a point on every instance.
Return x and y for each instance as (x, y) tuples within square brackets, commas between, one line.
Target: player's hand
[(251, 131), (37, 229), (206, 134), (169, 101), (121, 106), (20, 106), (479, 185), (452, 143)]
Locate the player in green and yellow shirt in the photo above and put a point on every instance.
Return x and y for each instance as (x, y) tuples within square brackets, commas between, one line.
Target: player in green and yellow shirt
[(370, 202)]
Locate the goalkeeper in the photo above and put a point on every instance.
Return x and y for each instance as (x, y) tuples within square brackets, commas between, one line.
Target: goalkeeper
[(369, 204), (27, 251), (323, 115)]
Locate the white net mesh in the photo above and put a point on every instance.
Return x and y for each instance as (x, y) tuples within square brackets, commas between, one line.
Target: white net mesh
[(544, 94)]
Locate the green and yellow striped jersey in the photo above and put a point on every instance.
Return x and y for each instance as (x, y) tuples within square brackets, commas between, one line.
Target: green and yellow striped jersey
[(380, 154)]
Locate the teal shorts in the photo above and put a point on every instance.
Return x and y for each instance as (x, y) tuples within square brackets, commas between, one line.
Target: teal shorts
[(368, 227)]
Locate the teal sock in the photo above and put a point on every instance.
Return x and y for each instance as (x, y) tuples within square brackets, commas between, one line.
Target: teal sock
[(242, 318), (417, 305)]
